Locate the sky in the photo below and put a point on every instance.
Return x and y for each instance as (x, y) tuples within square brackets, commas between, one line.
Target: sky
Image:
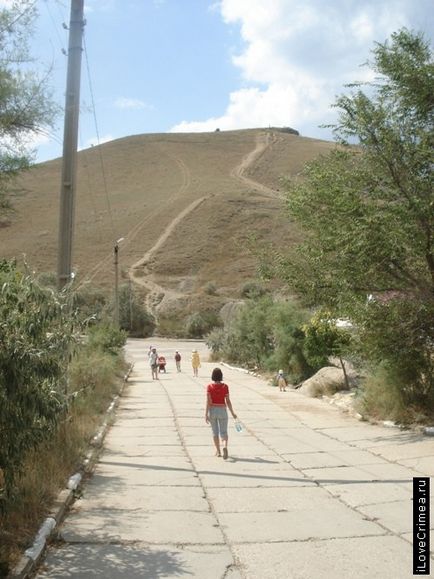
[(156, 66)]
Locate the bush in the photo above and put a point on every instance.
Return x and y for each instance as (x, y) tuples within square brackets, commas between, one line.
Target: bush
[(201, 323), (36, 336), (106, 338), (265, 334), (386, 395), (133, 316), (90, 303), (210, 289), (252, 290)]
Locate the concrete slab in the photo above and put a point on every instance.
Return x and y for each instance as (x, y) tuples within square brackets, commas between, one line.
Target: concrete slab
[(356, 493), (339, 475), (129, 474), (423, 466), (311, 460), (336, 520), (138, 561), (389, 471), (283, 499), (395, 516), (96, 526), (354, 558), (99, 495), (335, 458), (225, 478), (124, 446)]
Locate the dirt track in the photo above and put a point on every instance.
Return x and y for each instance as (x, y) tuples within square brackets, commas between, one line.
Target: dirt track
[(155, 291)]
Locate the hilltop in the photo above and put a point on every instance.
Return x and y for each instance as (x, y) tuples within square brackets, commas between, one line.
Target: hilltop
[(185, 205)]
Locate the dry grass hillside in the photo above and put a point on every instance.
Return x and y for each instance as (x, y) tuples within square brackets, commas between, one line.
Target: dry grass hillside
[(184, 204)]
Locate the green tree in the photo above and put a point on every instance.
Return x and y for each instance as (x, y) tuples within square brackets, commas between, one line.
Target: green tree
[(323, 339), (265, 334), (26, 107), (36, 332), (367, 211), (133, 316)]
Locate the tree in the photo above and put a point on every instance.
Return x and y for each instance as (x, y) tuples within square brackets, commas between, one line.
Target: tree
[(133, 316), (367, 212), (25, 101), (36, 332), (323, 338)]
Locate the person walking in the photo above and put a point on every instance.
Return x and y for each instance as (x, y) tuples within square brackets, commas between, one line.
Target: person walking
[(153, 362), (216, 414), (195, 362), (178, 361)]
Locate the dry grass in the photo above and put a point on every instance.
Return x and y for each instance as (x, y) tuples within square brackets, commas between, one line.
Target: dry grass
[(48, 467), (150, 180)]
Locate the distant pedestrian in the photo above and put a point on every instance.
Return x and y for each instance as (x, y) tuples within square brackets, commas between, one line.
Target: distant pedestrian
[(178, 361), (217, 402), (282, 382), (153, 362), (195, 362)]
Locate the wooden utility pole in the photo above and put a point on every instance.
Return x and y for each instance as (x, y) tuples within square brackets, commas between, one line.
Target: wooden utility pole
[(116, 264), (70, 140)]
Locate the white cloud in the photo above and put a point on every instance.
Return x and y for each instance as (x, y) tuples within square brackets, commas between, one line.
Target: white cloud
[(297, 55), (130, 103)]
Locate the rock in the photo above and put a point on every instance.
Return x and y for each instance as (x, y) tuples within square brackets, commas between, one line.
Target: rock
[(327, 381)]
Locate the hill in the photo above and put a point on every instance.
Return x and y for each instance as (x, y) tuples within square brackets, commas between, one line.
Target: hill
[(185, 205)]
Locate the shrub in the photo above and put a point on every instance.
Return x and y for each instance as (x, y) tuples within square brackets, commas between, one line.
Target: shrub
[(201, 323), (210, 288), (252, 290), (133, 316), (106, 338), (36, 336), (90, 303)]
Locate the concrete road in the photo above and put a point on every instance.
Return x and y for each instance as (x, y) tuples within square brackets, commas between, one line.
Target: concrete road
[(307, 492)]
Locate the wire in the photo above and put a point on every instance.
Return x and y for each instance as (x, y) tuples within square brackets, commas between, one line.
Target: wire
[(20, 15), (55, 26), (98, 139)]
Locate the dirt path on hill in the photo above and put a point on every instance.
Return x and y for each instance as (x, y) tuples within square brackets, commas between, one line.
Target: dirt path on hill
[(263, 142), (144, 278), (140, 273)]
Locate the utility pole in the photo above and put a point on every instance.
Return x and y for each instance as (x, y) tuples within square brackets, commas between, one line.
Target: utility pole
[(70, 139), (116, 264)]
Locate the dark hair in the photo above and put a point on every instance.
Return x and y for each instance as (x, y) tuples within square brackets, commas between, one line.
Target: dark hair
[(217, 375)]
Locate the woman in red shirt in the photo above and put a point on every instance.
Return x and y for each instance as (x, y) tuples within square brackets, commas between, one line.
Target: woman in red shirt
[(217, 400)]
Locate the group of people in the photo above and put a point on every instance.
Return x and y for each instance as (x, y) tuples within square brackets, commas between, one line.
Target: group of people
[(158, 362), (217, 398)]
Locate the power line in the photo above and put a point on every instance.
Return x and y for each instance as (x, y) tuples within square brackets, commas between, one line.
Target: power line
[(98, 138), (62, 42)]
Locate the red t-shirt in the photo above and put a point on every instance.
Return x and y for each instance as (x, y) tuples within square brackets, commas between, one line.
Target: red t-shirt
[(218, 392)]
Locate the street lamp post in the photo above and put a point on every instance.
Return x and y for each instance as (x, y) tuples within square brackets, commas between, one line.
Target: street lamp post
[(116, 263)]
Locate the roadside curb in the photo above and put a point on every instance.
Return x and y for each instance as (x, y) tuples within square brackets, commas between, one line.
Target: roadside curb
[(32, 556)]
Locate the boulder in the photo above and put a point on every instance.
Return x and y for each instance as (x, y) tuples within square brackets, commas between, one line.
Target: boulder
[(327, 381)]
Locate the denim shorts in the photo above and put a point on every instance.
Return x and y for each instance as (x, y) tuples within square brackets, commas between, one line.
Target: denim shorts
[(218, 417)]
